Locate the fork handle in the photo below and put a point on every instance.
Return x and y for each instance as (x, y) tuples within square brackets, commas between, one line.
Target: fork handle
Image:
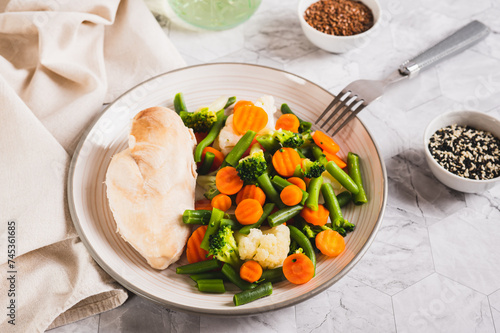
[(462, 39)]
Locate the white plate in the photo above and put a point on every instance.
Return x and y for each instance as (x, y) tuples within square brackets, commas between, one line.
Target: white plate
[(201, 85)]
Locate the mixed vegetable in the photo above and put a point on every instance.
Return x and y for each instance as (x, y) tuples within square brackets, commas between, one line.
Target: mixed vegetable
[(273, 197)]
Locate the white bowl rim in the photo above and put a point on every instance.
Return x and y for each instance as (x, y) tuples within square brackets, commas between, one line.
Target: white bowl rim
[(364, 33), (434, 162), (241, 313)]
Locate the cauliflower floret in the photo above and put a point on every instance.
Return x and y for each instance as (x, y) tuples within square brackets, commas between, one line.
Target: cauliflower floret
[(267, 103), (269, 248), (228, 137)]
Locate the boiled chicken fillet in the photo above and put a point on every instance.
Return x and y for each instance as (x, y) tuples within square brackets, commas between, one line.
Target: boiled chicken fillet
[(151, 183)]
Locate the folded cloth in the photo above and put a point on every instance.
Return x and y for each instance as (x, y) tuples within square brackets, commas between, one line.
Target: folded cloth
[(59, 62)]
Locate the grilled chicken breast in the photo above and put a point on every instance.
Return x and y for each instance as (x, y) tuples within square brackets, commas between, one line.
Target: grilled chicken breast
[(151, 183)]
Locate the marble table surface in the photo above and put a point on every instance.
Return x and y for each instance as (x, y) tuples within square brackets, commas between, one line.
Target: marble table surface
[(435, 263)]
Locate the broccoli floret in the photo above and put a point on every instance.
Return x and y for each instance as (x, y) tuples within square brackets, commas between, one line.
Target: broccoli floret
[(348, 226), (312, 169), (295, 248), (312, 230), (252, 166), (288, 138), (200, 121), (207, 182), (223, 247), (307, 137)]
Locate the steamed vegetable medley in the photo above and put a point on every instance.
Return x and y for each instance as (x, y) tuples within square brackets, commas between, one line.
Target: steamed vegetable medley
[(273, 196)]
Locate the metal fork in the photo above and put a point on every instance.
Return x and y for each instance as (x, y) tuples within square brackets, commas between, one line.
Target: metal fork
[(358, 94)]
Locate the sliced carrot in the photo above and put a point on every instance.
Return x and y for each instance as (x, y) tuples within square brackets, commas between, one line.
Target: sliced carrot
[(291, 195), (200, 136), (319, 217), (203, 204), (298, 181), (219, 157), (285, 160), (298, 268), (251, 192), (251, 271), (325, 142), (241, 103), (248, 211), (227, 181), (194, 252), (330, 243), (288, 122), (249, 117), (222, 202), (335, 158)]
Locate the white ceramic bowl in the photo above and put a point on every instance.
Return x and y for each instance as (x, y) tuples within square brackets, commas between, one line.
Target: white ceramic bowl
[(477, 120), (338, 44)]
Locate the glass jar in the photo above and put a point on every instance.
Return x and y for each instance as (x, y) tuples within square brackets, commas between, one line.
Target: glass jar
[(214, 14)]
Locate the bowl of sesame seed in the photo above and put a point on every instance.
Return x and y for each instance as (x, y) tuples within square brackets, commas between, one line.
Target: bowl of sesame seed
[(338, 26), (462, 149)]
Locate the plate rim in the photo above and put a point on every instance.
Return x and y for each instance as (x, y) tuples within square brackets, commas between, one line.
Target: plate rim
[(187, 309)]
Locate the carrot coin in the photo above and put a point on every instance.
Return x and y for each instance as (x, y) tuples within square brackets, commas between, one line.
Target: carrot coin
[(251, 192), (249, 117), (288, 122), (227, 181), (248, 211), (298, 268), (285, 160), (319, 217), (330, 243)]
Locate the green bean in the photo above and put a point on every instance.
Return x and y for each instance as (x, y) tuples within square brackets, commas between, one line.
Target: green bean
[(344, 198), (313, 190), (213, 226), (269, 162), (268, 142), (247, 296), (191, 216), (283, 215), (212, 134), (211, 286), (179, 103), (230, 223), (265, 184), (234, 277), (281, 183), (342, 177), (318, 155), (273, 275), (332, 204), (207, 275), (304, 125), (267, 209), (207, 163), (355, 173), (198, 267), (303, 242), (239, 149), (230, 101), (299, 152)]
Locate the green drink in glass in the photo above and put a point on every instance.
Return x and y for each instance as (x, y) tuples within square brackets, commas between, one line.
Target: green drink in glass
[(214, 14)]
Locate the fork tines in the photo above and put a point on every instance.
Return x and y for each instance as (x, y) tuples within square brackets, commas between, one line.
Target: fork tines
[(347, 106)]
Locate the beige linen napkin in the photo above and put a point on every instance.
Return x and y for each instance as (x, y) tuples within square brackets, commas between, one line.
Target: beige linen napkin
[(59, 61)]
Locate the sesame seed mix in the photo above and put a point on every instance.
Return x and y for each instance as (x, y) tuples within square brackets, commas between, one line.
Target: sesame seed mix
[(466, 152)]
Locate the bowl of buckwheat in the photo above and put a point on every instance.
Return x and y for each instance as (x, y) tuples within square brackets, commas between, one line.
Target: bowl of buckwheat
[(338, 26), (462, 149)]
